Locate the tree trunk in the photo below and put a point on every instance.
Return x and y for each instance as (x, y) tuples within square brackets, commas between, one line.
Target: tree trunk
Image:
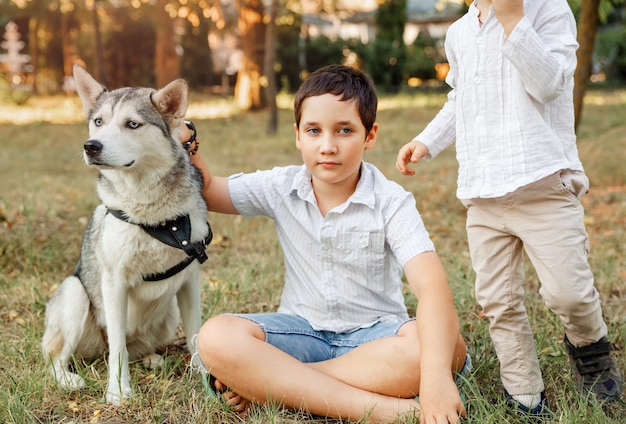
[(269, 71), (69, 53), (587, 24), (167, 61), (99, 53), (252, 32), (33, 29)]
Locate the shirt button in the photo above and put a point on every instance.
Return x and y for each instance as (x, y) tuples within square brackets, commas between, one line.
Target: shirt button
[(482, 160), (479, 119), (479, 40), (476, 80)]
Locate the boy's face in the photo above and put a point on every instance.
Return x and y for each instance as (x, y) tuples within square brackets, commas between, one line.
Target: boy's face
[(332, 140)]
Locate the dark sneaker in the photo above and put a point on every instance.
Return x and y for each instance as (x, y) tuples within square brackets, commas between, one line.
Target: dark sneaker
[(595, 370), (541, 411)]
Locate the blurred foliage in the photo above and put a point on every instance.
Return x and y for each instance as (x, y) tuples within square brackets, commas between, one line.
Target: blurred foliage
[(129, 39), (606, 12), (15, 95), (288, 44), (610, 53), (387, 62), (127, 66), (322, 51), (422, 56)]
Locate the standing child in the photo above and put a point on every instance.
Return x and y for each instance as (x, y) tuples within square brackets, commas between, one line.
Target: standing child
[(510, 111), (341, 344)]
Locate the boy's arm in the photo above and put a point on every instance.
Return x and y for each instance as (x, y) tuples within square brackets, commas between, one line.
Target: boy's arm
[(438, 333), (542, 47), (215, 189)]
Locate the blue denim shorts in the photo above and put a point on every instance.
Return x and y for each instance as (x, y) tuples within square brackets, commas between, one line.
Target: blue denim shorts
[(295, 336)]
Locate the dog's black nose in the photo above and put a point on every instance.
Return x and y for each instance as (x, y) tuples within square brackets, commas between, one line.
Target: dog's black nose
[(92, 147)]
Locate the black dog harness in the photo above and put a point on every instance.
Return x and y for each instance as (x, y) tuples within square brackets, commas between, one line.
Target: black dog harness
[(176, 233)]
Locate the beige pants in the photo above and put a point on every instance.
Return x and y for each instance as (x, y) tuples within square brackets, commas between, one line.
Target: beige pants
[(544, 219)]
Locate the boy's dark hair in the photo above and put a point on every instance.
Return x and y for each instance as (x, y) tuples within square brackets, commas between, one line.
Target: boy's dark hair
[(340, 80)]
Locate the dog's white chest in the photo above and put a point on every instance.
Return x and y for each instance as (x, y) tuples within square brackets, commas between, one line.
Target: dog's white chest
[(130, 253)]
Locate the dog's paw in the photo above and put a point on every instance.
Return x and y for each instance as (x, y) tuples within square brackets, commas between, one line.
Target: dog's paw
[(152, 361), (73, 382), (116, 397), (68, 380)]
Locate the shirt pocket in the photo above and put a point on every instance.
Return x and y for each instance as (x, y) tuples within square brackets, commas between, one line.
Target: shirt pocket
[(362, 254)]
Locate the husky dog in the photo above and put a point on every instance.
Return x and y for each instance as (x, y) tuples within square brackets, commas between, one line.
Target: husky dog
[(138, 271)]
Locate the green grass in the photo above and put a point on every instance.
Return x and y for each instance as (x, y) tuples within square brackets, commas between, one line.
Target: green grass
[(47, 195)]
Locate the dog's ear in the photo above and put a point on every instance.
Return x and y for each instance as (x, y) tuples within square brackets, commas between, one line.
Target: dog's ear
[(87, 87), (171, 101)]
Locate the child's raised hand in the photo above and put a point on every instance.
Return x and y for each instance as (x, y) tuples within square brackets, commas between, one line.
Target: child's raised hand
[(508, 12), (508, 7), (411, 152)]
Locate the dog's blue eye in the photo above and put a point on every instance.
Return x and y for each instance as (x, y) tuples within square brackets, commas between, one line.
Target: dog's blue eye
[(97, 122), (133, 125)]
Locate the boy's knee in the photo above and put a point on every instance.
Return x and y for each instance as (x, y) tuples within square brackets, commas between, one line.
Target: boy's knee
[(213, 336), (221, 334), (569, 301)]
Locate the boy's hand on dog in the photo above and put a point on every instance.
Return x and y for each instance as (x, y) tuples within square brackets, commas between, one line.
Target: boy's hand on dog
[(187, 136), (184, 133)]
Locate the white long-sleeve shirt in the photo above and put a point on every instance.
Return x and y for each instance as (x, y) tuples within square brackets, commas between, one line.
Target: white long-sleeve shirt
[(510, 109)]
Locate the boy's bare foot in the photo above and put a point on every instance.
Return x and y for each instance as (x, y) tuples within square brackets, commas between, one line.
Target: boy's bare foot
[(235, 402)]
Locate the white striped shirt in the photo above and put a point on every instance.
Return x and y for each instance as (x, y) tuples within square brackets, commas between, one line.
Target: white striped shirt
[(342, 271), (510, 109)]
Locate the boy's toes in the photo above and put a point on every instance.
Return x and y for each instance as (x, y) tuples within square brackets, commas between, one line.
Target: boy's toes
[(236, 403), (219, 386)]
